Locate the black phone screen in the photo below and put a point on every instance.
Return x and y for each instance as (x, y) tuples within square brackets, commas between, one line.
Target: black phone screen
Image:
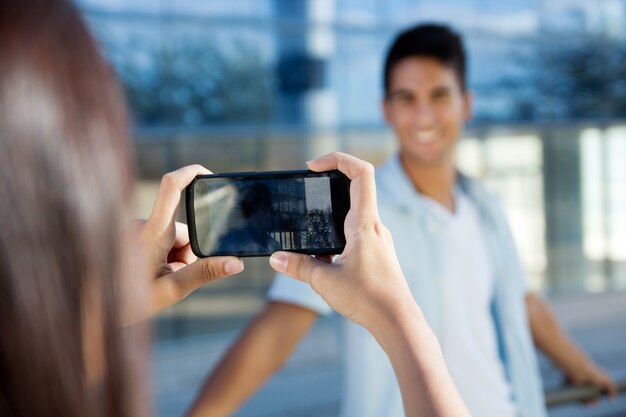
[(258, 214)]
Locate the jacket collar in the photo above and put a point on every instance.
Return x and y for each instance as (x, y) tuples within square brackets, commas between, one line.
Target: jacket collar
[(396, 188)]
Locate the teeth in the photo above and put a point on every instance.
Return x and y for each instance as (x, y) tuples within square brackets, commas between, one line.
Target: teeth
[(426, 137)]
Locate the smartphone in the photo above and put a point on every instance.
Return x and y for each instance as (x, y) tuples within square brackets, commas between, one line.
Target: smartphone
[(256, 214)]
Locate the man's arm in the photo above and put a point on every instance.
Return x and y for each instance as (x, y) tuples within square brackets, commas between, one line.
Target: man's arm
[(554, 342), (260, 351)]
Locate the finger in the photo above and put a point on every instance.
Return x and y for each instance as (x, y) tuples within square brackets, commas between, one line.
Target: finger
[(168, 196), (197, 274), (348, 164), (181, 250), (296, 265), (362, 187), (182, 235), (176, 265), (611, 388), (327, 259), (184, 255)]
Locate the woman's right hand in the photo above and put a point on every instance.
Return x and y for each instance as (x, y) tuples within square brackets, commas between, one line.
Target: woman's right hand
[(365, 283)]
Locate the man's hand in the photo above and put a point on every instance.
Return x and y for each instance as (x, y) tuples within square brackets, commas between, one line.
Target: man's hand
[(554, 342), (588, 372), (173, 270)]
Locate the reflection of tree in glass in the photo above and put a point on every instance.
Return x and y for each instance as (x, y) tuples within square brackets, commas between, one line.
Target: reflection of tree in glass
[(576, 77), (190, 81), (583, 78), (320, 228)]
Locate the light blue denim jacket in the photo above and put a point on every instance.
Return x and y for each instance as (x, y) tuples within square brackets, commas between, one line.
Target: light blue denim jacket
[(415, 236)]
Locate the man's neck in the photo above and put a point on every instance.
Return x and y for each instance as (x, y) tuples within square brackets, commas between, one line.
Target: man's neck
[(435, 181)]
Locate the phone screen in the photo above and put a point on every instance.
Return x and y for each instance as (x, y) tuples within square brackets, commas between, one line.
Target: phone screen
[(258, 214)]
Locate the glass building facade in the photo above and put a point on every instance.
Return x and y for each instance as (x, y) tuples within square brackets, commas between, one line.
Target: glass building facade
[(268, 84)]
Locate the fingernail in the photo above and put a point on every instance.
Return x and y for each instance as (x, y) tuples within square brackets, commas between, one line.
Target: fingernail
[(233, 267), (308, 162), (279, 261)]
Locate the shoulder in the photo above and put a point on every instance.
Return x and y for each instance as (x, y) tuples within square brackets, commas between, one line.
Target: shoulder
[(387, 169)]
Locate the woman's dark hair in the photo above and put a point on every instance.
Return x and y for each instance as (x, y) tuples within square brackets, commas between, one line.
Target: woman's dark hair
[(66, 173), (431, 41)]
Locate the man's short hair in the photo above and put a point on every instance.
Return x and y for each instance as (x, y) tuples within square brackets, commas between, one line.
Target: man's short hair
[(431, 41)]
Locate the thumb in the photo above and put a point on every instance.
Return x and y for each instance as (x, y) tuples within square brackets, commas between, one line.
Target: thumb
[(195, 275), (296, 265)]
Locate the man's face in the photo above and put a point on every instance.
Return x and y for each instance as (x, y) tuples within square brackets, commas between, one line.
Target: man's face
[(426, 108)]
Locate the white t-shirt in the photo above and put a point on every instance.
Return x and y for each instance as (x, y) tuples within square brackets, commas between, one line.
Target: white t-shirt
[(468, 338)]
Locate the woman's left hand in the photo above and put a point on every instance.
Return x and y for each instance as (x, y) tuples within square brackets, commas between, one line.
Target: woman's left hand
[(172, 269)]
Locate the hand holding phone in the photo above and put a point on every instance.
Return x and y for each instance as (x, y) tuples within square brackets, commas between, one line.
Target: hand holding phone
[(366, 285), (158, 248), (257, 214)]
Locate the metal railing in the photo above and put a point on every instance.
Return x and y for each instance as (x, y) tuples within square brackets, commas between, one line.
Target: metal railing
[(574, 394)]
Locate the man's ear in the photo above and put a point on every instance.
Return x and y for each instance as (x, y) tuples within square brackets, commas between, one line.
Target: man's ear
[(468, 105)]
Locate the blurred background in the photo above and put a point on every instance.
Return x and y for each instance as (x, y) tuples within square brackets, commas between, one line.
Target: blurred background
[(249, 85)]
